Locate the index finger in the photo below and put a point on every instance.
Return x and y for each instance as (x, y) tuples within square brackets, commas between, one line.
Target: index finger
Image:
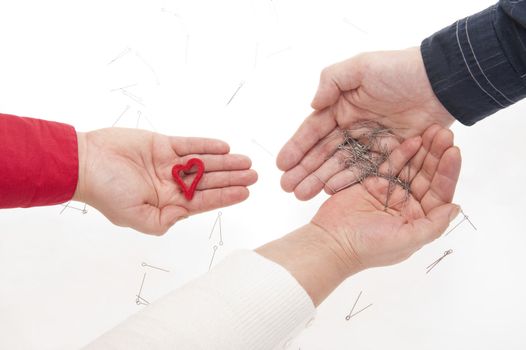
[(197, 145), (315, 127)]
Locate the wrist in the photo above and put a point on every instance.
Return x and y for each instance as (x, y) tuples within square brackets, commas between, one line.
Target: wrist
[(80, 191), (442, 115), (314, 258)]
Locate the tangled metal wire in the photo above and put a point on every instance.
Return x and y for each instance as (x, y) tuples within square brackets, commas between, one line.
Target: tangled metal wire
[(363, 149)]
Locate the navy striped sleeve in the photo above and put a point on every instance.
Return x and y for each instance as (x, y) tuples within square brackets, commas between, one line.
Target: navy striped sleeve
[(477, 65)]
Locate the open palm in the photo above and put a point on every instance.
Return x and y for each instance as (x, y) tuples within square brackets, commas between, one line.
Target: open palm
[(390, 88), (127, 175), (375, 234)]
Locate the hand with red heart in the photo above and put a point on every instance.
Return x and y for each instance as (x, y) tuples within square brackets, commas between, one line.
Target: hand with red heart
[(127, 175)]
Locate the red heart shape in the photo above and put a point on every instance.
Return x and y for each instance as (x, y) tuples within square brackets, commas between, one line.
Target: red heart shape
[(188, 192)]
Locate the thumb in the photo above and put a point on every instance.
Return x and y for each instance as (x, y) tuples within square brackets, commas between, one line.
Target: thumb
[(433, 225), (334, 80)]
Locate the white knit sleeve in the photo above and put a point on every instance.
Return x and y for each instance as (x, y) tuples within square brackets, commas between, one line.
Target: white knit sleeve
[(245, 302)]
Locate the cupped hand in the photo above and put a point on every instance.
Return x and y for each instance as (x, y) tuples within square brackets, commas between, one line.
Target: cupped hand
[(127, 175), (374, 224), (390, 88)]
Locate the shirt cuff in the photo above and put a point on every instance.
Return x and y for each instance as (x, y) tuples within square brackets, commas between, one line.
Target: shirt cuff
[(468, 68), (245, 302)]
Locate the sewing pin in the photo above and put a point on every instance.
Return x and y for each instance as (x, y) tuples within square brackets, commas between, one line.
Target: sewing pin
[(213, 256), (143, 264), (436, 262), (351, 315)]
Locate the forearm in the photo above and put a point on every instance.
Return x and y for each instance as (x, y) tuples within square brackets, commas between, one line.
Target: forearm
[(477, 65), (313, 258), (38, 162), (245, 302), (248, 301)]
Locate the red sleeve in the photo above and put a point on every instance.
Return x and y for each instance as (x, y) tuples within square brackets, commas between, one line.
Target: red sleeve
[(38, 162)]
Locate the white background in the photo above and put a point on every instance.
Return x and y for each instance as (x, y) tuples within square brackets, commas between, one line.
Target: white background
[(64, 279)]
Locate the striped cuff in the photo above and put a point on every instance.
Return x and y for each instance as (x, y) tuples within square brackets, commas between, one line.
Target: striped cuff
[(468, 68)]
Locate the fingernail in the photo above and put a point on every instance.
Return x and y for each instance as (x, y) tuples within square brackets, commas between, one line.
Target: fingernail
[(454, 212)]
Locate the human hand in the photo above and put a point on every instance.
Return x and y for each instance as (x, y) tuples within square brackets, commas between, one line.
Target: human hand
[(127, 175), (367, 232), (390, 88)]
